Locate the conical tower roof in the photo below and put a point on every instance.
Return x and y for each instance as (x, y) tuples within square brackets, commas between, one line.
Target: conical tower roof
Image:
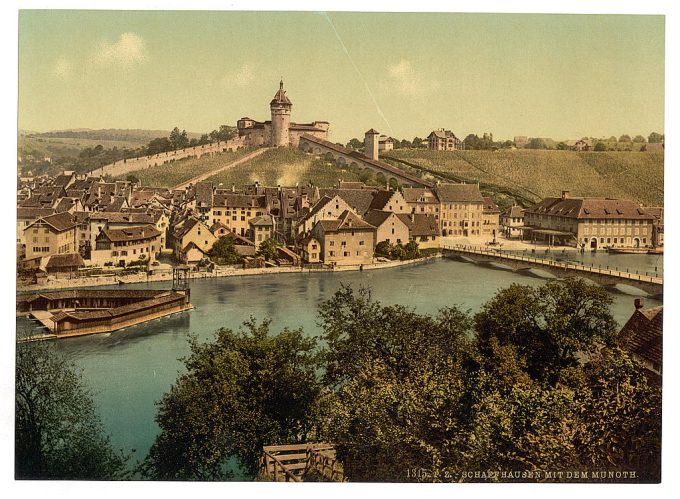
[(280, 98)]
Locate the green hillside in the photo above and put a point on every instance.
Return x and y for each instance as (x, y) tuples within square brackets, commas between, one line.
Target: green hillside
[(287, 167), (533, 174), (182, 170)]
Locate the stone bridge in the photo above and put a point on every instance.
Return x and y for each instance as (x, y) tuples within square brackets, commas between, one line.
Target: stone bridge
[(650, 285), (344, 157)]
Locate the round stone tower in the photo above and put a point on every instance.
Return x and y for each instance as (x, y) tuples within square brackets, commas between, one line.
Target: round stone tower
[(280, 106)]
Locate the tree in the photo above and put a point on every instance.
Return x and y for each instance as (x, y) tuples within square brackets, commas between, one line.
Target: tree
[(224, 251), (267, 249), (639, 139), (132, 179), (612, 139), (548, 325), (599, 147), (624, 138), (404, 143), (355, 144), (58, 434), (472, 141), (536, 143), (225, 132), (383, 248), (417, 142), (412, 250), (655, 138), (244, 390), (561, 146), (158, 145), (178, 140)]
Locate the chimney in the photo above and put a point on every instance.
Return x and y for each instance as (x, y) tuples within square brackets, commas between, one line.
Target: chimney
[(639, 303), (233, 188), (565, 194)]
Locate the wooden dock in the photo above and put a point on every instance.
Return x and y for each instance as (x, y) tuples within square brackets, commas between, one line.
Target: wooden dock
[(300, 462)]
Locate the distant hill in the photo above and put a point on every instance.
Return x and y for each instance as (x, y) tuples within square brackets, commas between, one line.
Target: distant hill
[(107, 134), (529, 175), (523, 176)]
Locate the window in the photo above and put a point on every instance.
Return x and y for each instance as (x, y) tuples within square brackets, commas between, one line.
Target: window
[(313, 246), (361, 243), (313, 255), (346, 253), (331, 243), (332, 253)]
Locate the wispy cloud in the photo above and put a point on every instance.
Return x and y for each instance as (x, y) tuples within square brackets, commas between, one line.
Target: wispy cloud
[(127, 51), (408, 82), (243, 77), (62, 68)]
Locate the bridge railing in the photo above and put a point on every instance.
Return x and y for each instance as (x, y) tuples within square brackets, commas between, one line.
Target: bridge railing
[(498, 253)]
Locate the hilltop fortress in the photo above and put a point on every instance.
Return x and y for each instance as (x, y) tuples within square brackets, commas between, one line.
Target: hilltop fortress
[(280, 131)]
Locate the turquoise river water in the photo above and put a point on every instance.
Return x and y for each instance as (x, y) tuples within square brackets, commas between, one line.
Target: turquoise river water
[(131, 369)]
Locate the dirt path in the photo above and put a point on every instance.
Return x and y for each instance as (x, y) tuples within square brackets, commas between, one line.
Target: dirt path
[(209, 174)]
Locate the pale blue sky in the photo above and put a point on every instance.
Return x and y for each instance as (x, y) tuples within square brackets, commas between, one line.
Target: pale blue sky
[(560, 76)]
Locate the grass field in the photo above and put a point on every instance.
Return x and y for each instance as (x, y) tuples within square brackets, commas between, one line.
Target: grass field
[(287, 167), (176, 172), (540, 173)]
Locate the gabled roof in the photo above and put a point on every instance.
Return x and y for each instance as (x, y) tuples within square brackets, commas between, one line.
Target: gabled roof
[(33, 213), (413, 195), (130, 233), (490, 206), (59, 221), (67, 260), (372, 132), (514, 212), (380, 199), (378, 217), (263, 220), (589, 208), (642, 334), (420, 224), (358, 199), (346, 221), (459, 193)]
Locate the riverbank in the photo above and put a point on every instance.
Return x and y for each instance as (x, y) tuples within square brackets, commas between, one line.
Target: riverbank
[(219, 272)]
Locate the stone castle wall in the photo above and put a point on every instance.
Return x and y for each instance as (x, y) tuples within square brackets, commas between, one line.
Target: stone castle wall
[(132, 164)]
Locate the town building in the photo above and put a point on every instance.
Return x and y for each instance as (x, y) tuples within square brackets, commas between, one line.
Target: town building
[(261, 229), (512, 221), (280, 131), (461, 208), (490, 218), (347, 240), (422, 229), (521, 141), (592, 223), (389, 227), (122, 247), (191, 240), (642, 336), (444, 140), (657, 225), (422, 200), (311, 249), (385, 143), (51, 235)]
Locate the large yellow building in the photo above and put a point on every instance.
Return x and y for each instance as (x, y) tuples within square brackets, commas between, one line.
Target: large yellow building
[(593, 223), (51, 235)]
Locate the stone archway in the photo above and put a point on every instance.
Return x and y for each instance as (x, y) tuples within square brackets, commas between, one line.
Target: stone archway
[(636, 242), (593, 243), (393, 183)]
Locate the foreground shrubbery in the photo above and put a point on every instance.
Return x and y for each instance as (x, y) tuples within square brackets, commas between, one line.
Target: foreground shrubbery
[(397, 391)]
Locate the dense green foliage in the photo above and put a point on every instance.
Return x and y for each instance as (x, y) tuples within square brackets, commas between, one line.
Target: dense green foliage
[(245, 390), (58, 434), (267, 249), (398, 251), (534, 381), (223, 252)]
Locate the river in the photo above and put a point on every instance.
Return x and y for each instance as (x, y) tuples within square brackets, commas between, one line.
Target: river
[(131, 369)]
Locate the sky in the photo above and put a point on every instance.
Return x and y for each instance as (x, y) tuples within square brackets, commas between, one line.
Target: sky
[(558, 76)]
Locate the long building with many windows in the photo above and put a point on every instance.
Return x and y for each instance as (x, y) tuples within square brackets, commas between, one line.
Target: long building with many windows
[(591, 223)]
